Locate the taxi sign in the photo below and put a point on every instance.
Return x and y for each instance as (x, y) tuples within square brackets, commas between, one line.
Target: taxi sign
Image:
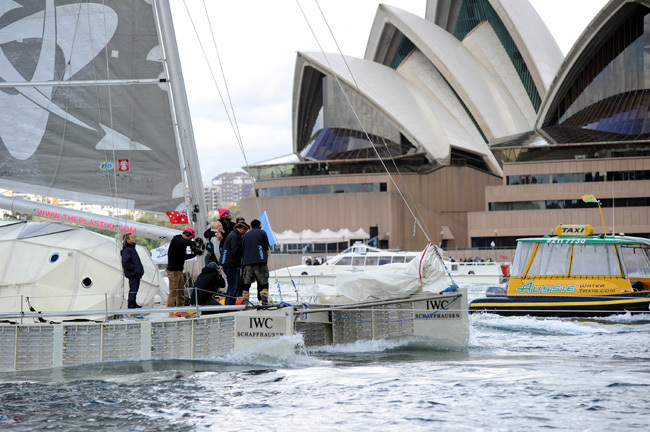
[(574, 230)]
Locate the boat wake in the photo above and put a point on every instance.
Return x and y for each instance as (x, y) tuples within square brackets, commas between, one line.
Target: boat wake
[(536, 326), (375, 346), (277, 352), (627, 318)]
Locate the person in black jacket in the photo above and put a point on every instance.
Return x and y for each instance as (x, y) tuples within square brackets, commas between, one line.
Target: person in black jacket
[(207, 286), (231, 261), (133, 269), (181, 248), (227, 225), (255, 255)]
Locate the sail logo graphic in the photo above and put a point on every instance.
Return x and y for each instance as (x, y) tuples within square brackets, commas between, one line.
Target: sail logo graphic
[(80, 32), (123, 165)]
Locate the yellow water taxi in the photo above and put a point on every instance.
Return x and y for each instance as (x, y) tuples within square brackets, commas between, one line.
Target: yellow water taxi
[(575, 273)]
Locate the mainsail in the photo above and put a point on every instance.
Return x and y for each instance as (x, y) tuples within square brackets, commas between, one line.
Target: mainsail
[(85, 108)]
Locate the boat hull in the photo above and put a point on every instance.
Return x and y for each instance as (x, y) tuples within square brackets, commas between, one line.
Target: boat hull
[(439, 319), (563, 306)]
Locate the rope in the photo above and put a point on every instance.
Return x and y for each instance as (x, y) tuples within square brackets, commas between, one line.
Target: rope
[(390, 176)]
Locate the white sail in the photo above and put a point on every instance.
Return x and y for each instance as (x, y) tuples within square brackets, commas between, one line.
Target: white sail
[(84, 104)]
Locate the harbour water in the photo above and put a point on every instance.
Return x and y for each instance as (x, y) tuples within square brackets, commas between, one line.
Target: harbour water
[(519, 372)]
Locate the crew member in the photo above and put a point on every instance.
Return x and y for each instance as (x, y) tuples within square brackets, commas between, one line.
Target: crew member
[(255, 245), (225, 217), (181, 248), (133, 269), (207, 286), (231, 261)]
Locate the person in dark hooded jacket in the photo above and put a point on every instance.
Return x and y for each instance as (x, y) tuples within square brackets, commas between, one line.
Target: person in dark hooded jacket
[(207, 285), (133, 269), (231, 261)]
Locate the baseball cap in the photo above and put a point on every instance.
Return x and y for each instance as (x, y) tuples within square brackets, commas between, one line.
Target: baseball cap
[(190, 231)]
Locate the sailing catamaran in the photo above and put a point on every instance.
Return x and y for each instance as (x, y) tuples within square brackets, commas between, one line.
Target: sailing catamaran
[(94, 110)]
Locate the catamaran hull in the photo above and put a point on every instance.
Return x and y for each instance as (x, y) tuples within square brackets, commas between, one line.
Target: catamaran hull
[(563, 306), (439, 319)]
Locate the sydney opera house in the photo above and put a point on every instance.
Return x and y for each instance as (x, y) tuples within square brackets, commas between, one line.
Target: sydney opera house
[(469, 126)]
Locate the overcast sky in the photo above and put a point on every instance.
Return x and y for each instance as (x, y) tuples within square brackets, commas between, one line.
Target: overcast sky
[(257, 41)]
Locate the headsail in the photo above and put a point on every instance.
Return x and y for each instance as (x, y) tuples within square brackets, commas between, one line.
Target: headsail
[(84, 105)]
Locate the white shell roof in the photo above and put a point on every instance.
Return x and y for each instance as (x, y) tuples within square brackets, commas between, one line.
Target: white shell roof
[(600, 22), (476, 86), (424, 120), (533, 39)]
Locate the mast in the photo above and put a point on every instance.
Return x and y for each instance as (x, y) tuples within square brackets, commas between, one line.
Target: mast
[(185, 134)]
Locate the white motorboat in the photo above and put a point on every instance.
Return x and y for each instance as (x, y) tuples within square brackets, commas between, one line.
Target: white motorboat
[(361, 257), (62, 293)]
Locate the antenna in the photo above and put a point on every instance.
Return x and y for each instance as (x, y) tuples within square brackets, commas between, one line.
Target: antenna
[(592, 199)]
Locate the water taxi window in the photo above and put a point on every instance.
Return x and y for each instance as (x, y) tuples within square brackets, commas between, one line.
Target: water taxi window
[(637, 261), (399, 259), (595, 259), (344, 261), (522, 255), (358, 261), (372, 260), (384, 260), (551, 260)]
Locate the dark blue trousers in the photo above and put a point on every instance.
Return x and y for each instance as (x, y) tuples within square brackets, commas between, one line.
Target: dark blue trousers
[(134, 285), (232, 276)]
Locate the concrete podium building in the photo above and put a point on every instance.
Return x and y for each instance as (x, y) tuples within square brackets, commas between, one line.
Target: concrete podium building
[(468, 126)]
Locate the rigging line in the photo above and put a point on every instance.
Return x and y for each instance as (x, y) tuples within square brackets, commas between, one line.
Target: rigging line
[(223, 102), (232, 108), (130, 152), (233, 120), (408, 191), (223, 74), (110, 105), (67, 106), (392, 179), (99, 107)]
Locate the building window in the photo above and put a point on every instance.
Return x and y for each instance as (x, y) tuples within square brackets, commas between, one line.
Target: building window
[(321, 189)]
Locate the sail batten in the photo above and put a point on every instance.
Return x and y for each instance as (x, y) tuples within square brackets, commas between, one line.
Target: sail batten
[(85, 109)]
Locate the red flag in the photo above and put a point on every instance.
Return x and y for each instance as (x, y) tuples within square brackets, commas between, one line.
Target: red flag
[(178, 217)]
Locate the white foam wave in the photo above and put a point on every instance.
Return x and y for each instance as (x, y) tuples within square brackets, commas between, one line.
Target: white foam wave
[(276, 352), (363, 346), (561, 326), (627, 318)]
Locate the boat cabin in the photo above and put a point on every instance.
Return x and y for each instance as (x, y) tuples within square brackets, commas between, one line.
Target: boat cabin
[(576, 262), (360, 255)]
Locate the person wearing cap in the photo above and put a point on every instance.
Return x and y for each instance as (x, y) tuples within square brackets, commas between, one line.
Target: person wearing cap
[(225, 217), (207, 286), (231, 261), (181, 248), (255, 255)]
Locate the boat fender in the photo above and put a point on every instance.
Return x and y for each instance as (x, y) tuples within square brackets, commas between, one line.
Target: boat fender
[(496, 291)]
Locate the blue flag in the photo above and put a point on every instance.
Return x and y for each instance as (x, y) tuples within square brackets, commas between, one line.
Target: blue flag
[(266, 226)]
